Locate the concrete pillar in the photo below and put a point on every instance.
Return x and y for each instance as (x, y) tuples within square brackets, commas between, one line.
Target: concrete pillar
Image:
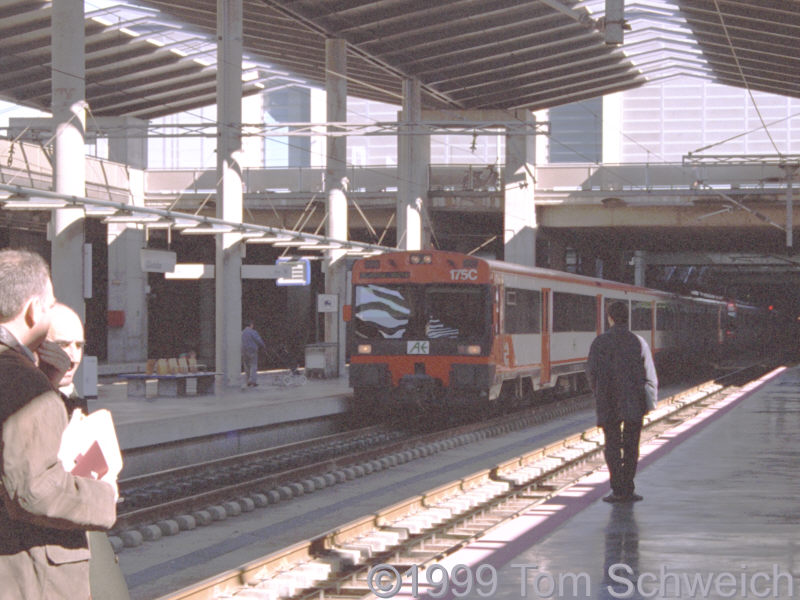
[(127, 283), (69, 121), (520, 208), (127, 141), (205, 346), (789, 208), (612, 128), (228, 282), (335, 269), (413, 158), (126, 292)]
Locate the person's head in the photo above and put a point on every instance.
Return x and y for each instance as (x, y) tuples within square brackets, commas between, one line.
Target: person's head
[(618, 313), (26, 296), (66, 330)]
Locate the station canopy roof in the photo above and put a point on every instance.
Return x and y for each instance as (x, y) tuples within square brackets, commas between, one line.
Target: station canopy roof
[(157, 57)]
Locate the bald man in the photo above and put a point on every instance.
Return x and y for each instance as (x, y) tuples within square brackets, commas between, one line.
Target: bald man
[(66, 332)]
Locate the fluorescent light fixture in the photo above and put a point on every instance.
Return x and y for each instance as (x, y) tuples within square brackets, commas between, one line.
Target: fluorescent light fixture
[(267, 239), (95, 210), (296, 243), (162, 223), (331, 246), (17, 202), (207, 229), (132, 218)]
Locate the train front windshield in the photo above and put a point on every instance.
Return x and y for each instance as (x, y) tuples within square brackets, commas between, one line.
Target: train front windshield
[(408, 311)]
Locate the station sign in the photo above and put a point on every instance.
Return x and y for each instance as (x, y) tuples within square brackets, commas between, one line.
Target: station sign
[(300, 271), (157, 261)]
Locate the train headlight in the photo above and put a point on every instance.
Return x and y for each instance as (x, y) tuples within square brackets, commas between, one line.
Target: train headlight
[(421, 259), (365, 348), (471, 349)]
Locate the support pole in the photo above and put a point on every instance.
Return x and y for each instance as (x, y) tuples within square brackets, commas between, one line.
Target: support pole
[(413, 158), (336, 187), (789, 207), (228, 282), (520, 208), (69, 122)]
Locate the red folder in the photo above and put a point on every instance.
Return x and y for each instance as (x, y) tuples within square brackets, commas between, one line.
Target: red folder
[(92, 463)]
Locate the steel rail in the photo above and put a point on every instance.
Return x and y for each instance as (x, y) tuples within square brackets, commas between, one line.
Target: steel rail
[(317, 565), (192, 502)]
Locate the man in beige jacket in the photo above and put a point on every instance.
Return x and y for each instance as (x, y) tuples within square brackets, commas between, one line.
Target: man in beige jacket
[(45, 511)]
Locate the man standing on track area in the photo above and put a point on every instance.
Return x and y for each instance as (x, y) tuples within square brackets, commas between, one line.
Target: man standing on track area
[(623, 379)]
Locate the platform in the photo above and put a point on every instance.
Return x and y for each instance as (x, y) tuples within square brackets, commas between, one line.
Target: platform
[(152, 420), (719, 517)]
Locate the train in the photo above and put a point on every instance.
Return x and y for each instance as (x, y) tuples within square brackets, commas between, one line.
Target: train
[(437, 328)]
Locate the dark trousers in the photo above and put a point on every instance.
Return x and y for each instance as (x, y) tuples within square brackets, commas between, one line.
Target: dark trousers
[(622, 453)]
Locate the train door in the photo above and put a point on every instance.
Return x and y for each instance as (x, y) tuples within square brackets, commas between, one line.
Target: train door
[(546, 328)]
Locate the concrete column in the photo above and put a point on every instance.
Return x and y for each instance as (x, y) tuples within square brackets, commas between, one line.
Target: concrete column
[(126, 292), (69, 121), (127, 283), (612, 128), (336, 187), (789, 208), (205, 346), (413, 159), (520, 208), (228, 282)]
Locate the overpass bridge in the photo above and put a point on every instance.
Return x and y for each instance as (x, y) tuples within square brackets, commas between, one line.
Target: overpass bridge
[(731, 215)]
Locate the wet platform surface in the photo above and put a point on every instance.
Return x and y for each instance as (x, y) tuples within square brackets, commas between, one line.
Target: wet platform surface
[(720, 517), (152, 420)]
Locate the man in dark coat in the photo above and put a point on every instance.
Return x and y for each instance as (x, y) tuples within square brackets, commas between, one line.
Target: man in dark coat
[(44, 510), (620, 367)]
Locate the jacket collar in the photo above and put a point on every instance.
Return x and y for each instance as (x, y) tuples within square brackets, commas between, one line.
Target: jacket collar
[(7, 339)]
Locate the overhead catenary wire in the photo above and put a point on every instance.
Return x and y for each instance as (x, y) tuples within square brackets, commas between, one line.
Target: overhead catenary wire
[(744, 79)]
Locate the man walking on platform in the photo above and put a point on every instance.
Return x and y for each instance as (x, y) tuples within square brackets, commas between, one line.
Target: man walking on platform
[(251, 342), (623, 379)]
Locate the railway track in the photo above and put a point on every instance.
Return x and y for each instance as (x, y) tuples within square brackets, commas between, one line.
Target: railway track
[(170, 500), (367, 557)]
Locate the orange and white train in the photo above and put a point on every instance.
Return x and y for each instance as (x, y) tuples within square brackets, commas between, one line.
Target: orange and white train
[(435, 327)]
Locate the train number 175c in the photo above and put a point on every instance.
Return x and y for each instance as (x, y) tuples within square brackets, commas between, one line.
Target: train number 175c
[(463, 274)]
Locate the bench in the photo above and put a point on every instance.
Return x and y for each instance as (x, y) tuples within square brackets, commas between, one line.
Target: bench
[(171, 384)]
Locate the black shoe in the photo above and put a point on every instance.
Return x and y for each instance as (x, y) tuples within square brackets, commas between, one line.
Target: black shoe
[(632, 498), (613, 499)]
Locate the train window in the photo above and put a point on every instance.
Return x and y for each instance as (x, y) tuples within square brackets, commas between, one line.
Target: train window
[(641, 316), (455, 311), (573, 312), (665, 317), (419, 311), (523, 311), (382, 311)]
